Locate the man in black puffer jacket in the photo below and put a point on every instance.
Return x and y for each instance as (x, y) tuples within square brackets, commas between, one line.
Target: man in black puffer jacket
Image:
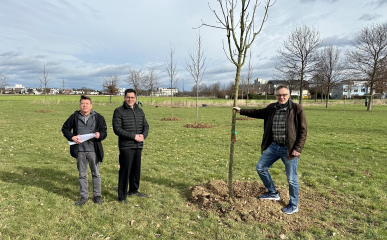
[(131, 127)]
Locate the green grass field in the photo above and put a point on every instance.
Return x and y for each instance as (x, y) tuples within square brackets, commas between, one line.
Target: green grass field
[(343, 160)]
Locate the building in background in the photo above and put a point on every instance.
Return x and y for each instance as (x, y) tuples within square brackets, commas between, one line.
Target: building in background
[(165, 92)]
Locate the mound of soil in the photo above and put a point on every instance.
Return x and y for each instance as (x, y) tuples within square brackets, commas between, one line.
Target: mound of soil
[(199, 125), (213, 196), (44, 111), (245, 118), (171, 119)]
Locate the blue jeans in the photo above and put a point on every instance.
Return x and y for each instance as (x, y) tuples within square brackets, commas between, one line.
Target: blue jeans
[(268, 158)]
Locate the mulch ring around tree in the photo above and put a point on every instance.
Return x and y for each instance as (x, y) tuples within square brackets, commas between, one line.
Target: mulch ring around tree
[(171, 119), (213, 196), (245, 118), (199, 125), (44, 111)]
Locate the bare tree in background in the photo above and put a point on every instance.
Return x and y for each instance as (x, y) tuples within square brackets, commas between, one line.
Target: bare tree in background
[(381, 85), (44, 80), (241, 33), (331, 68), (249, 77), (317, 81), (195, 65), (170, 66), (299, 54), (243, 85), (368, 53), (3, 81), (152, 82), (136, 79), (110, 85)]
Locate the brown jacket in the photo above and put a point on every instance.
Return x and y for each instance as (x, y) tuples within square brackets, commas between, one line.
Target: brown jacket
[(295, 126)]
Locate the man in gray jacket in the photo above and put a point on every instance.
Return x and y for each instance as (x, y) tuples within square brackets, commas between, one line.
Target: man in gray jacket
[(86, 121), (131, 127), (284, 137)]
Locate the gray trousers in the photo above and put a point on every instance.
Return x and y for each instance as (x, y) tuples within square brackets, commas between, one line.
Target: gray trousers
[(83, 158)]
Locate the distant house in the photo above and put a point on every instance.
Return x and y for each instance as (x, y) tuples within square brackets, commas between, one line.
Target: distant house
[(350, 89), (165, 92), (54, 91), (94, 92), (18, 89), (121, 91)]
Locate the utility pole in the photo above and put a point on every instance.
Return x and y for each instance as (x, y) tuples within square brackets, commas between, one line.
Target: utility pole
[(63, 86)]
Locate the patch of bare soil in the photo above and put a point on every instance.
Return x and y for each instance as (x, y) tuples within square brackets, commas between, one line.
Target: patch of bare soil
[(44, 111), (213, 196), (199, 125), (171, 119), (245, 118)]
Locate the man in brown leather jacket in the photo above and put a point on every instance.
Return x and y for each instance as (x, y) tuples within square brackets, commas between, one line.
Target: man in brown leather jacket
[(283, 137)]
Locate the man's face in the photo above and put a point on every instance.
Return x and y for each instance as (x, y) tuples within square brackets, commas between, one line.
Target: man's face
[(85, 106), (282, 95), (130, 99)]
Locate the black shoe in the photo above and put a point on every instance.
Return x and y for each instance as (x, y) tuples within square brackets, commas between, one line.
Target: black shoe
[(97, 200), (81, 201), (122, 201), (138, 194)]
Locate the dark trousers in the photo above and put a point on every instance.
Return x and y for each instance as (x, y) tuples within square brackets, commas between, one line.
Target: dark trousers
[(130, 168)]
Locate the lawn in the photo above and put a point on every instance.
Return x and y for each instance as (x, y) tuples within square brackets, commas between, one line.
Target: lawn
[(343, 162)]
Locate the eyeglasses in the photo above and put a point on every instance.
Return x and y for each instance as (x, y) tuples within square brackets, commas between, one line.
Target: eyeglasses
[(281, 95), (131, 97)]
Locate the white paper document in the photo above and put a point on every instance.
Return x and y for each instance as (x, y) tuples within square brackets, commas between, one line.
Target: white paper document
[(84, 138)]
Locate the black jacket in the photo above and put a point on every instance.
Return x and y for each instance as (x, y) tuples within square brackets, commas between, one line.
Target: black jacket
[(127, 122), (72, 124), (296, 129)]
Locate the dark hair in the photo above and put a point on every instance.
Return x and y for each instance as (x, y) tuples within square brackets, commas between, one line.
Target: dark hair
[(130, 90), (280, 87), (83, 97)]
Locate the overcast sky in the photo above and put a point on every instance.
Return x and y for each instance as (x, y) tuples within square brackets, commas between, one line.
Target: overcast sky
[(82, 41)]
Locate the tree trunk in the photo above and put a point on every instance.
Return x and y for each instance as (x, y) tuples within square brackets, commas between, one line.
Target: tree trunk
[(171, 103), (197, 109), (370, 102), (326, 104), (301, 87), (231, 160), (110, 98), (247, 98)]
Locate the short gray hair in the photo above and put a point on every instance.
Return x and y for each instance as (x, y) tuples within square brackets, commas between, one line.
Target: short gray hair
[(84, 97), (280, 87)]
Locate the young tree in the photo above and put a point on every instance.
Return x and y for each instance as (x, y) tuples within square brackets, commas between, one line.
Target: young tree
[(368, 53), (44, 80), (249, 77), (170, 66), (3, 81), (152, 82), (136, 79), (195, 65), (241, 34), (299, 54), (330, 67), (110, 85)]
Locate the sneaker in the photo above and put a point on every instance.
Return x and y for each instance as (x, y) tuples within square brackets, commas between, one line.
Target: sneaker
[(97, 200), (81, 201), (138, 194), (270, 196), (290, 209)]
